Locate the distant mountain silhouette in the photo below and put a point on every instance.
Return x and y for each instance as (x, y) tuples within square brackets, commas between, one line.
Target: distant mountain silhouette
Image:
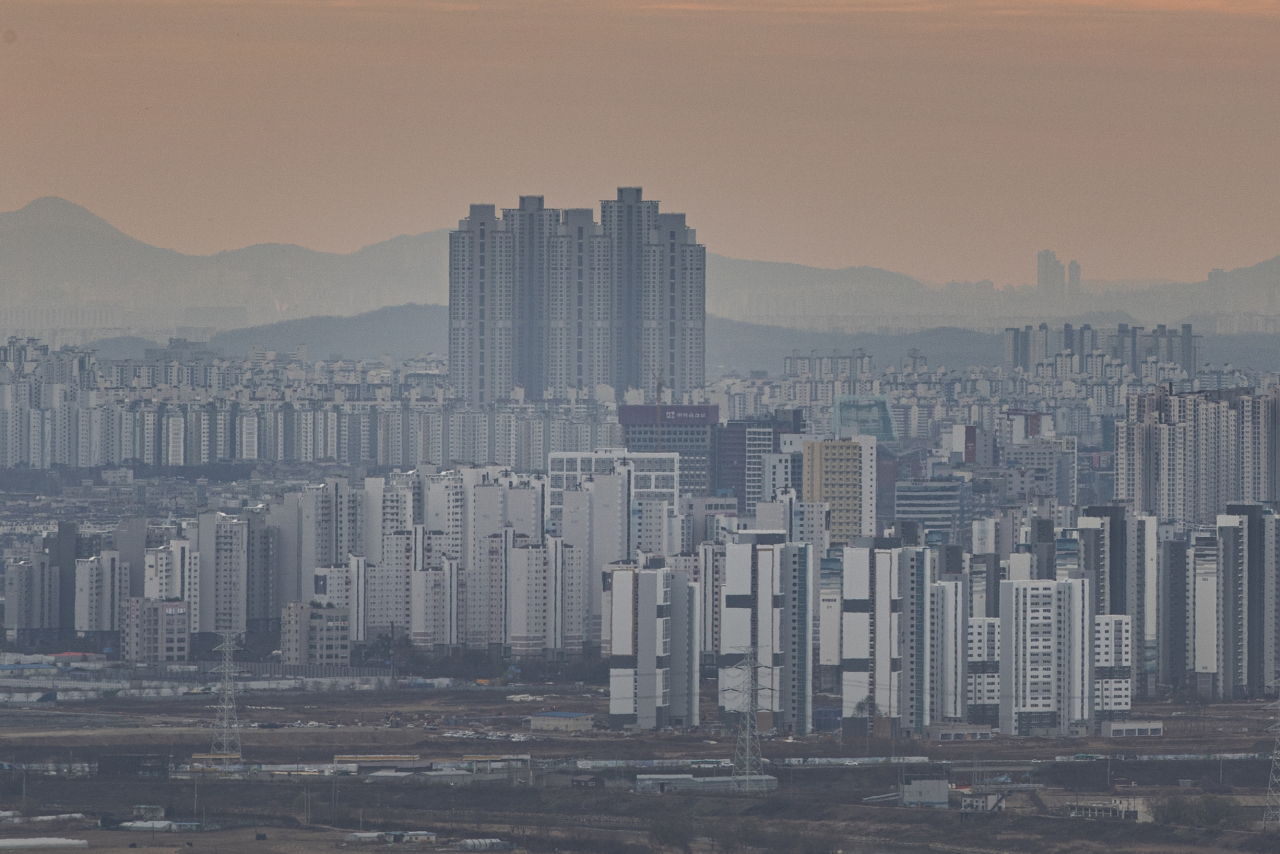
[(404, 331), (54, 253), (401, 331)]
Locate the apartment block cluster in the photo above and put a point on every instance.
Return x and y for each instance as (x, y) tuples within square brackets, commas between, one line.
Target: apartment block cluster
[(183, 406), (1025, 547), (610, 554), (546, 302), (1080, 377)]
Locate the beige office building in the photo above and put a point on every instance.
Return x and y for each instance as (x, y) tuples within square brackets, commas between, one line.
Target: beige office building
[(842, 473)]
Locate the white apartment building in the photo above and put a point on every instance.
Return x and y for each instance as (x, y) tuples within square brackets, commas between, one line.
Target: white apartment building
[(650, 640), (871, 658), (948, 664), (434, 593), (1046, 656), (768, 603), (173, 572), (102, 585), (983, 694), (154, 630), (1112, 666), (545, 599)]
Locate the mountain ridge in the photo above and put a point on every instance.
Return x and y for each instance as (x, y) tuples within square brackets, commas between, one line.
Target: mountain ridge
[(57, 253)]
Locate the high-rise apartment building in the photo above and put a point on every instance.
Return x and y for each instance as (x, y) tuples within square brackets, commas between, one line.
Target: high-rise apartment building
[(102, 585), (871, 658), (948, 664), (650, 639), (1050, 274), (983, 695), (554, 303), (237, 589), (1046, 656), (842, 474), (172, 571), (768, 604), (434, 592), (1112, 666), (1181, 457)]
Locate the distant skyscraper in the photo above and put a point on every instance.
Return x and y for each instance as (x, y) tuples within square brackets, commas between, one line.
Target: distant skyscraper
[(552, 302), (481, 308), (1073, 279), (1050, 274)]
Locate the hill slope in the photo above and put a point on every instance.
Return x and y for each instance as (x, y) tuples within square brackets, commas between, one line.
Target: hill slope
[(56, 253)]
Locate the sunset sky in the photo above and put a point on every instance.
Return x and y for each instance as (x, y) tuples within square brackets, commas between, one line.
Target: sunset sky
[(946, 140)]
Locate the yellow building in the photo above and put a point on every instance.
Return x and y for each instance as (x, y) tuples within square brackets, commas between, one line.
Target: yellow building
[(842, 472)]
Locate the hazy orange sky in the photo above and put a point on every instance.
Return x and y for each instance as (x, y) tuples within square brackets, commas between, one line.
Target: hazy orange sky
[(947, 140)]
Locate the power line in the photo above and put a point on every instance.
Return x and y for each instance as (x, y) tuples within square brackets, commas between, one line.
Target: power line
[(226, 739), (748, 763), (1271, 818)]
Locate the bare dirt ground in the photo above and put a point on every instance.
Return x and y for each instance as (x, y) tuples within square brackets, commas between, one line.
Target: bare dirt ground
[(313, 727), (815, 812)]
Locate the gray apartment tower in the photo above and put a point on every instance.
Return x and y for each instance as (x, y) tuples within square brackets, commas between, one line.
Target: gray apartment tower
[(554, 303)]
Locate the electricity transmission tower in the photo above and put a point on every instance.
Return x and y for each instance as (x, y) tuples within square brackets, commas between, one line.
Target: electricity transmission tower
[(748, 764), (1271, 818), (226, 739)]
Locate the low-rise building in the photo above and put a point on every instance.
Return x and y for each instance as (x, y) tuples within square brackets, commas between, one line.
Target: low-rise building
[(312, 634), (154, 630), (1127, 729), (562, 721)]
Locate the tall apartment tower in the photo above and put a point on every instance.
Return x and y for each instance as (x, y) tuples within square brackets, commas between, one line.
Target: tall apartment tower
[(581, 335), (650, 633), (482, 308), (1046, 656), (627, 222), (1050, 274), (871, 654), (1112, 666), (532, 227), (767, 603), (173, 572), (673, 309), (102, 585), (842, 473), (554, 303), (983, 693)]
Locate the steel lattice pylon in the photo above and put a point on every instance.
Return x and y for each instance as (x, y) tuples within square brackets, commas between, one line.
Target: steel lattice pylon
[(226, 739), (748, 763), (1271, 818)]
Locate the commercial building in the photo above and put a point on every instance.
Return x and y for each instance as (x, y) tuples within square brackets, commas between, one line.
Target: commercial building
[(687, 430)]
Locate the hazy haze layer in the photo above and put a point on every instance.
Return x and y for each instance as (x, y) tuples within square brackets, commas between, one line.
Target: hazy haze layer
[(945, 140)]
